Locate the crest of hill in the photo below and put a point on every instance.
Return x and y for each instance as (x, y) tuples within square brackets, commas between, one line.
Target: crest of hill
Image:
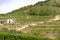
[(48, 7), (49, 3)]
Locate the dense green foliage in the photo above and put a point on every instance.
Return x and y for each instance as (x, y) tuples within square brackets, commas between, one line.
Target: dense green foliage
[(17, 36)]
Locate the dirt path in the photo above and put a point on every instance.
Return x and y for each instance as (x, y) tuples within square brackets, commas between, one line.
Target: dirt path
[(51, 35), (23, 27), (57, 17)]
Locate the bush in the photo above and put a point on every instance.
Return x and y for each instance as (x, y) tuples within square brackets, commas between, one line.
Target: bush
[(40, 12), (12, 36)]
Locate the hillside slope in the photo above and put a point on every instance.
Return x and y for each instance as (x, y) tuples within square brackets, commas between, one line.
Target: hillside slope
[(42, 18)]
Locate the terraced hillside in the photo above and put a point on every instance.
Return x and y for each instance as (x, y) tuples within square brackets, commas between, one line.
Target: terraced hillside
[(40, 19)]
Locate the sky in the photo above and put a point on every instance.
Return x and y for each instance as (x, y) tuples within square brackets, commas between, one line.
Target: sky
[(10, 5)]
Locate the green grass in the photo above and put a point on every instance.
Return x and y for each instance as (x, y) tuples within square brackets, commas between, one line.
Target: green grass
[(16, 36)]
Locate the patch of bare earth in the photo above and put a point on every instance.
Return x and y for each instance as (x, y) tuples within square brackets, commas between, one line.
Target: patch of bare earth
[(57, 17), (51, 35), (25, 26), (21, 28)]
